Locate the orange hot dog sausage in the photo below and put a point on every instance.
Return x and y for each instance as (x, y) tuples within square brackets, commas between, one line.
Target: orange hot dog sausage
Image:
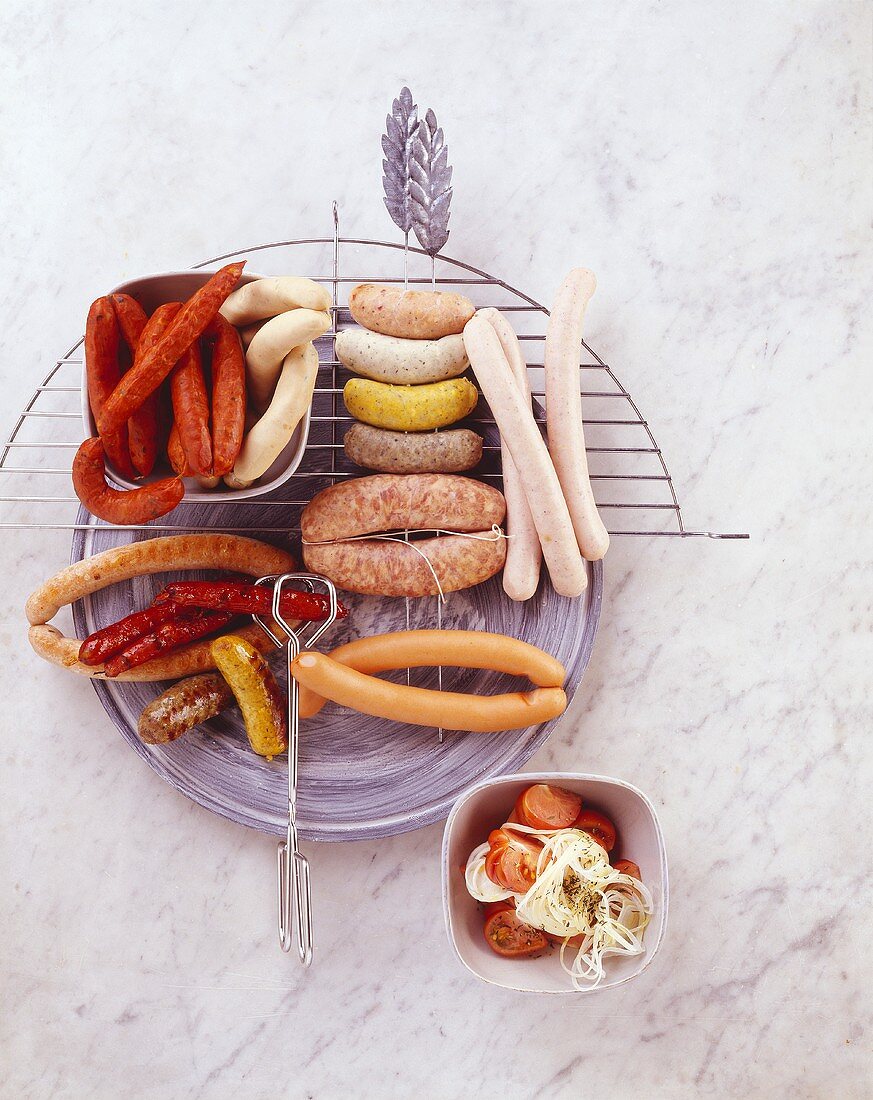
[(421, 706), (143, 424), (228, 396), (191, 411), (134, 506), (190, 323), (103, 372), (430, 648)]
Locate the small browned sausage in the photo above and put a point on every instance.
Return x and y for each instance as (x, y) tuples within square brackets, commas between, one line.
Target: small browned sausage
[(390, 452), (184, 706)]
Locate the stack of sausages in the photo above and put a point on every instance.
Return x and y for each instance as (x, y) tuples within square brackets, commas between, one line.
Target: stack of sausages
[(279, 318), (409, 355)]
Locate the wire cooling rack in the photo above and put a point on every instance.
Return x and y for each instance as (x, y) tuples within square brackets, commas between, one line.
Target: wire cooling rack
[(630, 478)]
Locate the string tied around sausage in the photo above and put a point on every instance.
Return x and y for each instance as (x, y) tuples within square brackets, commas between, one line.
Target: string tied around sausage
[(495, 535)]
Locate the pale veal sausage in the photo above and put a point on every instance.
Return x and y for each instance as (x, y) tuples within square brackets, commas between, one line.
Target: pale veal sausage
[(376, 567), (402, 362), (271, 344), (564, 410), (521, 574), (531, 457), (410, 314), (268, 297)]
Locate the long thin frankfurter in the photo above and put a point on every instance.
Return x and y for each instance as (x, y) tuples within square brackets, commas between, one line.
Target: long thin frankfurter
[(114, 506), (191, 411), (530, 455), (230, 553), (144, 424), (103, 372), (422, 707), (449, 648), (564, 410), (228, 396), (521, 574), (147, 373)]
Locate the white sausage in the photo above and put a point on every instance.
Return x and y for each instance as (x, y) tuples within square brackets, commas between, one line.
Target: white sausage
[(268, 297), (271, 344), (393, 359), (521, 574), (530, 455), (272, 433), (564, 410)]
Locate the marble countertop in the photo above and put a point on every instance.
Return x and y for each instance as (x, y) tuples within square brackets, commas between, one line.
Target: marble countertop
[(712, 164)]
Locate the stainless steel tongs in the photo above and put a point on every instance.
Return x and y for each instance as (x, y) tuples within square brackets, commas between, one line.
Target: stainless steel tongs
[(295, 890)]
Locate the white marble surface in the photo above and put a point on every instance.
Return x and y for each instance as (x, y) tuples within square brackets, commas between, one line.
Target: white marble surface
[(711, 162)]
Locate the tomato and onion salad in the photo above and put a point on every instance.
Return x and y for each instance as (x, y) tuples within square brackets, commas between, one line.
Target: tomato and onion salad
[(545, 877)]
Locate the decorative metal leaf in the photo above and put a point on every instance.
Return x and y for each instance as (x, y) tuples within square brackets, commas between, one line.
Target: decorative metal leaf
[(430, 185), (401, 127)]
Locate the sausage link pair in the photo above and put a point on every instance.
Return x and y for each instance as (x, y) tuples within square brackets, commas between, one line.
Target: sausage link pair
[(171, 635), (103, 372)]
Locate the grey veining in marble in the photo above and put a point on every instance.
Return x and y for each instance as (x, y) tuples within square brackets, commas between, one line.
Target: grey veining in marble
[(711, 163)]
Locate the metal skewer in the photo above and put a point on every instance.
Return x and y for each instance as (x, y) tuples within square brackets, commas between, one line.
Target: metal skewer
[(295, 889)]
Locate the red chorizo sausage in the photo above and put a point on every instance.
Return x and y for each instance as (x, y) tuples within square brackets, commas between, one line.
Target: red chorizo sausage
[(228, 396), (135, 506), (176, 454), (103, 372), (143, 425), (191, 411), (170, 635), (148, 372)]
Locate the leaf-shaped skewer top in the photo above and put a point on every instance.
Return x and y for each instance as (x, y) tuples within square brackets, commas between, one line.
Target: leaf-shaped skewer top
[(401, 128), (430, 186)]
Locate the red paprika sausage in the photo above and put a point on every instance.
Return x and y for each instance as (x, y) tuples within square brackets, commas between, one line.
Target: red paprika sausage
[(247, 599), (105, 643), (170, 635), (176, 453), (149, 371), (103, 372), (191, 411), (142, 427), (133, 507), (228, 396)]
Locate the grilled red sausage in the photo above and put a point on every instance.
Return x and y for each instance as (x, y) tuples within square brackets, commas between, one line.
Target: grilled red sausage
[(103, 644), (247, 599), (170, 635)]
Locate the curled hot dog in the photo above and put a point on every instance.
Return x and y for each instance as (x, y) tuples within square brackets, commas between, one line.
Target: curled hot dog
[(421, 706), (521, 574), (410, 314), (102, 371), (142, 428), (132, 507), (264, 298), (231, 553), (191, 411), (530, 456), (228, 396), (189, 324), (452, 648), (272, 343), (564, 410)]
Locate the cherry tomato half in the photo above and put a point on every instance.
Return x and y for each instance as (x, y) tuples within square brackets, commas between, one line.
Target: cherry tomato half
[(628, 867), (512, 860), (507, 936), (543, 806), (597, 825)]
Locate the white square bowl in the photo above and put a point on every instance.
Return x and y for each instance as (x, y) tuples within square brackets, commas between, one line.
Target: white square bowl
[(485, 807), (152, 291)]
